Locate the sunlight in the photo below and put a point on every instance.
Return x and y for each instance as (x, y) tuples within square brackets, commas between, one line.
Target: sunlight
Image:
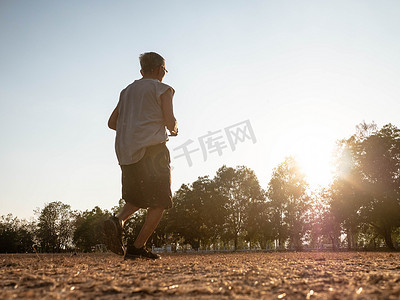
[(313, 152), (312, 145), (315, 163)]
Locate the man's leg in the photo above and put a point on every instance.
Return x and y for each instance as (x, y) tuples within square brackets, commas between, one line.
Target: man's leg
[(127, 211), (154, 215), (113, 229)]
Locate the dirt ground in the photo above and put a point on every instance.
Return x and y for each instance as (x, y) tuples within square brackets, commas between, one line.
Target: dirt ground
[(310, 275)]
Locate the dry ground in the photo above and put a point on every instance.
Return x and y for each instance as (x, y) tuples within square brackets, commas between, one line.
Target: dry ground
[(344, 275)]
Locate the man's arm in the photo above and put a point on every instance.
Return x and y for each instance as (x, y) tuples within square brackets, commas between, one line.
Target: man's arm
[(112, 121), (168, 112)]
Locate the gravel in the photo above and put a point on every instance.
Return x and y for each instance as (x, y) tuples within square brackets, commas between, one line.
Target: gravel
[(288, 275)]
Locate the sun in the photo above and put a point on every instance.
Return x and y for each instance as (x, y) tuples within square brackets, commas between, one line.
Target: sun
[(315, 162), (312, 147)]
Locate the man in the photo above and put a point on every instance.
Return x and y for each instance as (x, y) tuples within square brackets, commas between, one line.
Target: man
[(143, 111)]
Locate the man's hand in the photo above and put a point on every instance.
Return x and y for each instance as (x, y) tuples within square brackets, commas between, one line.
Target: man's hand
[(168, 113), (174, 132)]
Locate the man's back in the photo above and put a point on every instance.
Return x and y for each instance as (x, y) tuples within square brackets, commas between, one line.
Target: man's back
[(140, 119)]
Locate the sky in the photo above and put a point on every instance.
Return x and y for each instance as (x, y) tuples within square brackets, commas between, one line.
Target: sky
[(255, 82)]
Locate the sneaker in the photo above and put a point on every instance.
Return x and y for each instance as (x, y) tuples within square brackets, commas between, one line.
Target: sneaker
[(113, 235), (133, 253)]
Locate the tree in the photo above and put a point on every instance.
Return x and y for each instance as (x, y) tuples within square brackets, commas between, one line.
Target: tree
[(89, 232), (182, 218), (289, 202), (241, 189), (366, 192), (378, 158), (258, 225), (346, 196), (198, 213), (210, 206), (324, 227), (55, 227), (16, 236)]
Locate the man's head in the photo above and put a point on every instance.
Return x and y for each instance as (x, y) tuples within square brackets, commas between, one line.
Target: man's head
[(153, 65)]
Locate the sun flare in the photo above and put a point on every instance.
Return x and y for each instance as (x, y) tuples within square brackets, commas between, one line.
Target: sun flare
[(315, 164), (312, 147), (313, 153)]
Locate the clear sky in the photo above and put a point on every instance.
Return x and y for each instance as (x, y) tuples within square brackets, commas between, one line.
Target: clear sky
[(300, 74)]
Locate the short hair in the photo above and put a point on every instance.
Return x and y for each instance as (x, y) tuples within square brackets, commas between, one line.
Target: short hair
[(150, 60)]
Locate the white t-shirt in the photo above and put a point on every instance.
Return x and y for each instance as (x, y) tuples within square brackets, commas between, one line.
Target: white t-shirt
[(140, 119)]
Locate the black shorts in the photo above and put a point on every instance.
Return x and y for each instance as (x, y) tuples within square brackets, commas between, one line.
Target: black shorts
[(147, 183)]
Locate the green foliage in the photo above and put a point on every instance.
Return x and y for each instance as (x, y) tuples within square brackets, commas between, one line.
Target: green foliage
[(16, 235), (243, 196), (133, 225), (366, 193), (258, 224), (55, 227), (289, 203), (197, 217), (116, 209), (89, 231), (324, 226)]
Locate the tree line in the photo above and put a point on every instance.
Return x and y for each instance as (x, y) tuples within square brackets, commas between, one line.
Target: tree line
[(359, 209)]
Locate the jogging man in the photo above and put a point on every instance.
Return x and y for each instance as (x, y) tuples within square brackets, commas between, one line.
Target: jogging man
[(143, 114)]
